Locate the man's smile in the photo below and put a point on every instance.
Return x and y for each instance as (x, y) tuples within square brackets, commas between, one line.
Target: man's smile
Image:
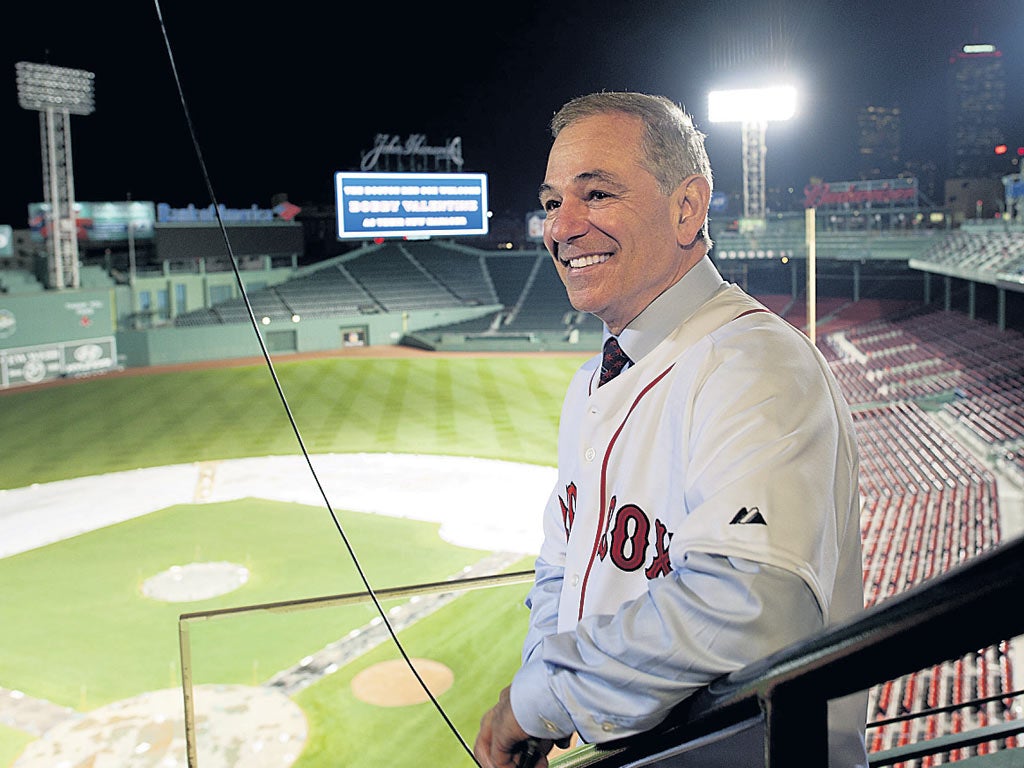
[(578, 262)]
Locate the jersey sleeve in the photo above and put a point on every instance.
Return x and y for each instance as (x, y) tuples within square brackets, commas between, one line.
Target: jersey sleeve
[(621, 674), (772, 467)]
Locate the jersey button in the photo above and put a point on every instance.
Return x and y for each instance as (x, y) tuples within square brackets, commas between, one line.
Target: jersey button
[(590, 454), (575, 579)]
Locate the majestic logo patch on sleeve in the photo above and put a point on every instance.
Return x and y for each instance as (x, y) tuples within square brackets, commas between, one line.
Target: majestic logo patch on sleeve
[(750, 516)]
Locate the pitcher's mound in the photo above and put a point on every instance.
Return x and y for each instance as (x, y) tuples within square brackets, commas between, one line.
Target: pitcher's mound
[(195, 581), (392, 683)]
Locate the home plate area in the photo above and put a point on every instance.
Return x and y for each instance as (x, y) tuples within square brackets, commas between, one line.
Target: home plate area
[(236, 726)]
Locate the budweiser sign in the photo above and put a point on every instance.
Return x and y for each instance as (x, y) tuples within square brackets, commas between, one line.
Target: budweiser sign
[(886, 193)]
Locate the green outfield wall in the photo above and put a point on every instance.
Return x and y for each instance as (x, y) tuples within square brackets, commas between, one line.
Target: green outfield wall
[(170, 345), (56, 334), (126, 320)]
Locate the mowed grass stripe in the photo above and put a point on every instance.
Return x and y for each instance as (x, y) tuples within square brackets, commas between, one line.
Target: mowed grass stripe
[(341, 388), (495, 388), (391, 410), (542, 390), (445, 414)]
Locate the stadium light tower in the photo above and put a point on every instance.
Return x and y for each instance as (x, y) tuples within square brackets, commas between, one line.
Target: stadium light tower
[(56, 93), (753, 108)]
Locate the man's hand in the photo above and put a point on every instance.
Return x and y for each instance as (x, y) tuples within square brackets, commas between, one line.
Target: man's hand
[(502, 743)]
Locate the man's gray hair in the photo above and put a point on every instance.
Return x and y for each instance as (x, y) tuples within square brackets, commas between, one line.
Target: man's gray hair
[(673, 147)]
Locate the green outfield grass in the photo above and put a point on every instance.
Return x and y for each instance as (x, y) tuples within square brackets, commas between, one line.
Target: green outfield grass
[(488, 407), (80, 633)]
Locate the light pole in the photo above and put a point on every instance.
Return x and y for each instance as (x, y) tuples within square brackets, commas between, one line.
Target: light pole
[(57, 93), (753, 108)]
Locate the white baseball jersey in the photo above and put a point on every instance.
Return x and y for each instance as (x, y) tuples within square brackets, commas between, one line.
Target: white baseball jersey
[(706, 514)]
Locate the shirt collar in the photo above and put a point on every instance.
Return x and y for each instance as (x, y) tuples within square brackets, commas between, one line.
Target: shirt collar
[(675, 304)]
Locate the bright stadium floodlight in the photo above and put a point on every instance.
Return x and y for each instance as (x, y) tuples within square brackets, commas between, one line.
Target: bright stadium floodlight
[(752, 104), (42, 87), (753, 108)]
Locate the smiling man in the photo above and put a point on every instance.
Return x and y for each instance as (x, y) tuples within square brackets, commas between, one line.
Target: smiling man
[(706, 511), (618, 233)]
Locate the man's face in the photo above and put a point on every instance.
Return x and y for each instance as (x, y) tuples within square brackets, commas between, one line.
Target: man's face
[(611, 231)]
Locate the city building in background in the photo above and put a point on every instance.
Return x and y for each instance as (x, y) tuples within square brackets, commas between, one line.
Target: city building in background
[(977, 104), (879, 141)]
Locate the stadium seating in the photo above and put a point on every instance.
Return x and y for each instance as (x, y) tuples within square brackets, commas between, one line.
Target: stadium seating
[(985, 253), (929, 505), (468, 278), (389, 279), (395, 284), (19, 281), (327, 292)]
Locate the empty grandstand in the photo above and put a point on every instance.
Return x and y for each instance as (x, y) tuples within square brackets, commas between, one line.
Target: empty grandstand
[(930, 502), (529, 309)]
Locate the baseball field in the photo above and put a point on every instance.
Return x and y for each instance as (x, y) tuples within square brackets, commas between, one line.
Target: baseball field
[(84, 633)]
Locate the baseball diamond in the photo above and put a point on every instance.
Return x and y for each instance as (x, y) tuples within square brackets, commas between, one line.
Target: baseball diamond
[(247, 725)]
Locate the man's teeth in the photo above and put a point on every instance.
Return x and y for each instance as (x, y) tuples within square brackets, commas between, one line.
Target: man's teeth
[(587, 261)]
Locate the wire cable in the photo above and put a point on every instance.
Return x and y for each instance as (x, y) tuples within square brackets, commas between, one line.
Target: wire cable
[(284, 400)]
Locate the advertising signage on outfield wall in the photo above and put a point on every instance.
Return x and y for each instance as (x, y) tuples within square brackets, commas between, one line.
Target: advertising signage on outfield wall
[(99, 222), (410, 205), (44, 362)]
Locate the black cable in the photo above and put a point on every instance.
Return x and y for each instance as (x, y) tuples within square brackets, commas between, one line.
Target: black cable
[(284, 400)]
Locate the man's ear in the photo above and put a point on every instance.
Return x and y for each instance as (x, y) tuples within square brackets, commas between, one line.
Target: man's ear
[(692, 198)]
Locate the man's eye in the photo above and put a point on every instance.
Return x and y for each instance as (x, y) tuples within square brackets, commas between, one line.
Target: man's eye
[(597, 194), (550, 205)]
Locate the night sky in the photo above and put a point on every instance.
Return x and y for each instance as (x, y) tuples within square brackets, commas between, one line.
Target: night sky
[(281, 97)]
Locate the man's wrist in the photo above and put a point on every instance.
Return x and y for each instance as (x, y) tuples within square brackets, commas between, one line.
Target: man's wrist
[(534, 705)]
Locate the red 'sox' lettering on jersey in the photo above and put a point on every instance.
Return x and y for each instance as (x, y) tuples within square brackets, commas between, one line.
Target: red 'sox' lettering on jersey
[(629, 539), (568, 506)]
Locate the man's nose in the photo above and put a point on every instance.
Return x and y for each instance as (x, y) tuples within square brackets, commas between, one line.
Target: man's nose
[(569, 221)]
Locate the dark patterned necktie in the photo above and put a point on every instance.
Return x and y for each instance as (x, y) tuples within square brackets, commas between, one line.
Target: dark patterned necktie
[(613, 360)]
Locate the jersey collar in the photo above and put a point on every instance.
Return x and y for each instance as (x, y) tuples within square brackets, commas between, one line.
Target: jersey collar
[(665, 313)]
